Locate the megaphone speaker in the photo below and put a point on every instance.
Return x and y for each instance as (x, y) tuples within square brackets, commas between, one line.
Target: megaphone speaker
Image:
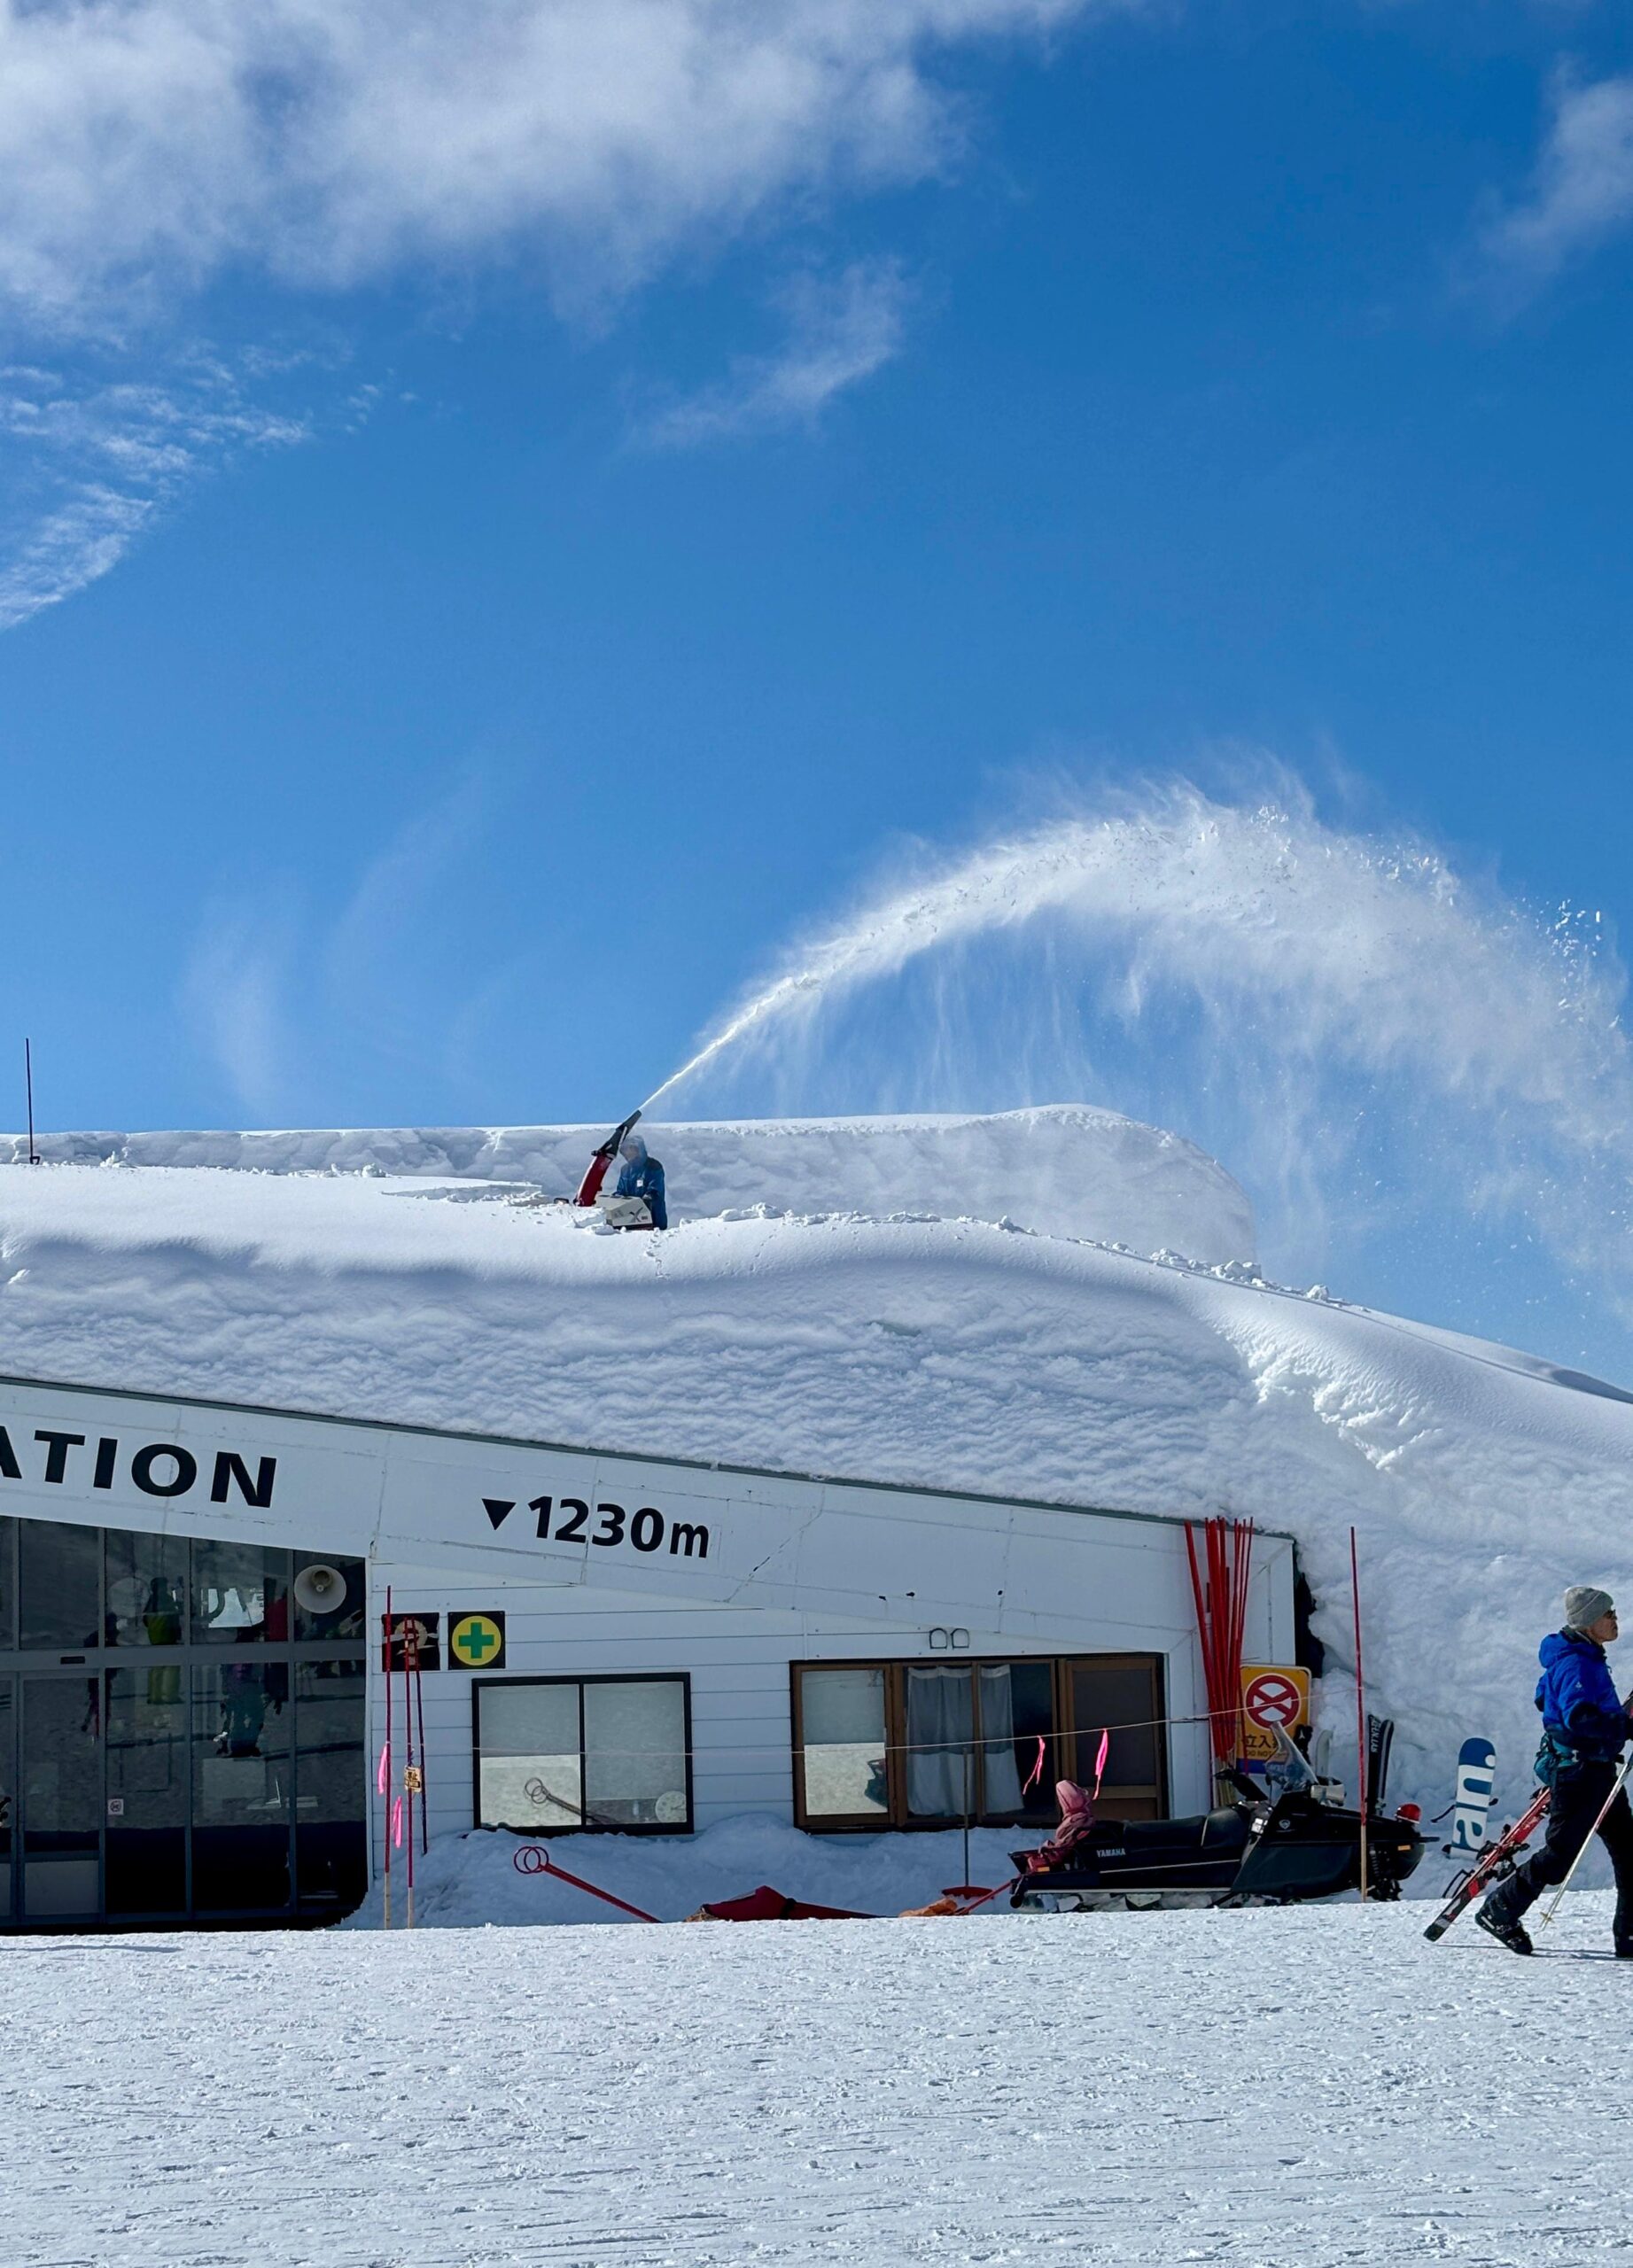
[(320, 1589)]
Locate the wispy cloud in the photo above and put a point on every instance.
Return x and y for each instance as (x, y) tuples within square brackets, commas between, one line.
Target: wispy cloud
[(147, 146), (234, 996), (1582, 191), (88, 468), (841, 329), (362, 981), (388, 920), (150, 147)]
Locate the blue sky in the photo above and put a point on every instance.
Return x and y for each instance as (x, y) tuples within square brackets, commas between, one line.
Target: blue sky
[(499, 529)]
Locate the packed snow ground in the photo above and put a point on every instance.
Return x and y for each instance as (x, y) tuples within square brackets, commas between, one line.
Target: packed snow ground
[(943, 1351), (1309, 2088)]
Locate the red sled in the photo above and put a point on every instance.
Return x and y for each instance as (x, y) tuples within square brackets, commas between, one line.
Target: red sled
[(768, 1905)]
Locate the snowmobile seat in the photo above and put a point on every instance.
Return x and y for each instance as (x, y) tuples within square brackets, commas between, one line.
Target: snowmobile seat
[(1210, 1834)]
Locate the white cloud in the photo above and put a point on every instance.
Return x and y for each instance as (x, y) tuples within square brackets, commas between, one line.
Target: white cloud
[(1583, 189), (75, 543), (145, 145), (90, 468), (366, 984), (840, 331), (234, 996)]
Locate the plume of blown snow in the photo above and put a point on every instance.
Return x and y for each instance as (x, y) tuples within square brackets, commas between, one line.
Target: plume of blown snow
[(1347, 1022)]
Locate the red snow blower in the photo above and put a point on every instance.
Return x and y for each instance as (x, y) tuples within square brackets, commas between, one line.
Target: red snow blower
[(599, 1164), (616, 1212)]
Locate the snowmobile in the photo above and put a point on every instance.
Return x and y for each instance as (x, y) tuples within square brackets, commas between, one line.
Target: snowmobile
[(1277, 1845)]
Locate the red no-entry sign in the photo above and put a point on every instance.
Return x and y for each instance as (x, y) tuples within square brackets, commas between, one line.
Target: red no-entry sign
[(1271, 1697)]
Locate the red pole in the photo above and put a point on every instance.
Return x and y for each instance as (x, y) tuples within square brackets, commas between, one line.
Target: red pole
[(1244, 1533), (1360, 1707), (386, 1759), (410, 1778), (419, 1701), (1199, 1599)]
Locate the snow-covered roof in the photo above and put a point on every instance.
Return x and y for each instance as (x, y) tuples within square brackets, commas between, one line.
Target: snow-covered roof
[(949, 1351), (1066, 1168)]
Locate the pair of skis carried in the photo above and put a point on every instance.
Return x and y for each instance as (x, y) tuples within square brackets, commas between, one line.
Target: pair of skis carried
[(1494, 1865)]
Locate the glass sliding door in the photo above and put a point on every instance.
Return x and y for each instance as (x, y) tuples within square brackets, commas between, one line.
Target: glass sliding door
[(242, 1787), (332, 1838), (8, 1794), (146, 1857), (61, 1744)]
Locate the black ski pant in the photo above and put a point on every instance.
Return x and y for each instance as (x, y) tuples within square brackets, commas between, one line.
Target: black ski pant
[(1574, 1806)]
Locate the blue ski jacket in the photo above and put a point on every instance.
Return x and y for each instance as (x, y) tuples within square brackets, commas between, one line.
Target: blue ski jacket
[(643, 1176), (1577, 1698)]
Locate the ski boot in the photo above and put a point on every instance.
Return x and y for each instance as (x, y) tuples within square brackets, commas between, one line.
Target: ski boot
[(1514, 1935)]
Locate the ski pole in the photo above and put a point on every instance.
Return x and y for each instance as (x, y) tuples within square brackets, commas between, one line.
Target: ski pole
[(1617, 1786)]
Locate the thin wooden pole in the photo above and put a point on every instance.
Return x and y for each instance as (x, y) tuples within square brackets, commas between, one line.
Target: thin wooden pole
[(1360, 1707), (969, 1760), (34, 1155)]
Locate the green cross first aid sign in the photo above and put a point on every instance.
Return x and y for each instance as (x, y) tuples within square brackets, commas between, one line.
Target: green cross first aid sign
[(477, 1641)]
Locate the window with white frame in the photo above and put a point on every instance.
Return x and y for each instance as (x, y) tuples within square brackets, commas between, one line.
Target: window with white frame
[(560, 1755)]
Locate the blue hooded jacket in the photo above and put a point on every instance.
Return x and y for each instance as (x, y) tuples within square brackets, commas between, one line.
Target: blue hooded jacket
[(1578, 1699), (643, 1176)]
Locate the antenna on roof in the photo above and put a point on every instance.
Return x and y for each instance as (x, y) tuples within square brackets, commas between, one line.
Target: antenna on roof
[(34, 1155)]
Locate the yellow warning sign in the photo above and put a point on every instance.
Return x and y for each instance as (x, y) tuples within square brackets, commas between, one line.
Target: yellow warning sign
[(477, 1641), (1271, 1696)]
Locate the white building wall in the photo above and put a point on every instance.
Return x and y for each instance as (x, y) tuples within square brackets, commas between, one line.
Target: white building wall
[(793, 1567), (739, 1663)]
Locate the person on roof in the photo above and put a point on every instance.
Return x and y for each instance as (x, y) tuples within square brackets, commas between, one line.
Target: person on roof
[(642, 1175), (1585, 1728)]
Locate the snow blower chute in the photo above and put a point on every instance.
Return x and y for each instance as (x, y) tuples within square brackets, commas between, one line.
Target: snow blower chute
[(596, 1172)]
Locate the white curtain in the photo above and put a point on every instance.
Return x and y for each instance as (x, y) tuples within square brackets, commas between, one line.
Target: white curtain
[(940, 1754)]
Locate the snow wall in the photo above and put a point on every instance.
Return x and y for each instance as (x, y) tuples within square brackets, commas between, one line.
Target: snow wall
[(1068, 1169)]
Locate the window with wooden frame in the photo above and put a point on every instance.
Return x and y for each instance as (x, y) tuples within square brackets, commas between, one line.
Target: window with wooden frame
[(562, 1755), (923, 1743)]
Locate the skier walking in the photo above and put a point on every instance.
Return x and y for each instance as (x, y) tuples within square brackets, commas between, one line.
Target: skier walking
[(1586, 1727)]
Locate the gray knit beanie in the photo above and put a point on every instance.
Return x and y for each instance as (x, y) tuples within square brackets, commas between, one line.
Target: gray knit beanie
[(1583, 1605)]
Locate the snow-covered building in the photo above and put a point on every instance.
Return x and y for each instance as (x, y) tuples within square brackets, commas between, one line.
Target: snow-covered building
[(862, 1518), (600, 1643)]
